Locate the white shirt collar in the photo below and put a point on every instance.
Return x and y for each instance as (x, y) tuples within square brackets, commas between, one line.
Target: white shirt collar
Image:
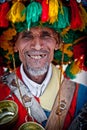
[(35, 88)]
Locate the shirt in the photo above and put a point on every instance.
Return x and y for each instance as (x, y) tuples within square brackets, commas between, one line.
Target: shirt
[(35, 88)]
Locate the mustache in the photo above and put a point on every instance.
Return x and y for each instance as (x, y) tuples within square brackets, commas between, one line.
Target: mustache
[(36, 52)]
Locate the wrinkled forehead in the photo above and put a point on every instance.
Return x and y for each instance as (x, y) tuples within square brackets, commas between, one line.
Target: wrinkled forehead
[(39, 30)]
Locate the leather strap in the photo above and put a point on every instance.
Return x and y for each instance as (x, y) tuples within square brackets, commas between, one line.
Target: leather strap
[(66, 94)]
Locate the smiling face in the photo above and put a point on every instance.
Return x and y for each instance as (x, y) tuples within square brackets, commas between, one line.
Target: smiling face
[(36, 49)]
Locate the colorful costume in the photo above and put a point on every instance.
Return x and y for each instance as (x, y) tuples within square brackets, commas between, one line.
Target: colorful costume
[(46, 100)]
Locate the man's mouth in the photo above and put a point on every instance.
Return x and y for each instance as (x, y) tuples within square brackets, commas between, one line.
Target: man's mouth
[(37, 57)]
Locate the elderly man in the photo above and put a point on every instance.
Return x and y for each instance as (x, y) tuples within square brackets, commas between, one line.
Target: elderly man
[(37, 80), (36, 51), (35, 85)]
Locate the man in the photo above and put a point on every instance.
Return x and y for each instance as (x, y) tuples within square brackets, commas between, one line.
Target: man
[(36, 50), (36, 83), (39, 76)]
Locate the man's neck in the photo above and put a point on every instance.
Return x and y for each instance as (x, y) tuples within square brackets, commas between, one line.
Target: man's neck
[(37, 79)]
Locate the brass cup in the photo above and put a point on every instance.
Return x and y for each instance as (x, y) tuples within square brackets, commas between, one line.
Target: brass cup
[(8, 114), (31, 126)]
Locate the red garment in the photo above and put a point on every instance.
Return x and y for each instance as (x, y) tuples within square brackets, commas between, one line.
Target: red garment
[(22, 112), (5, 91)]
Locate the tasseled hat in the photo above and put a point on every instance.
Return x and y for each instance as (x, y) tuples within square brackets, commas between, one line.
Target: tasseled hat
[(67, 17)]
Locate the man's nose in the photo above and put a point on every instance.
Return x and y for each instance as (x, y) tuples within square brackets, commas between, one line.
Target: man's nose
[(37, 44)]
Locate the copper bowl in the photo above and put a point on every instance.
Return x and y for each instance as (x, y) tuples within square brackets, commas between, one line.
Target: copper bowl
[(8, 114), (31, 126)]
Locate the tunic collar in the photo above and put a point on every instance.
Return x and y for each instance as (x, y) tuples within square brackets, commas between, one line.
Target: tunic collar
[(35, 88)]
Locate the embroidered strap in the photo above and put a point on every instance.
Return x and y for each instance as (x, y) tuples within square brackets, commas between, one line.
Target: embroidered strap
[(66, 94), (34, 108)]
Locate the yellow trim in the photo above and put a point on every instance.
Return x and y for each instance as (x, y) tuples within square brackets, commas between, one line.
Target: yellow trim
[(47, 99)]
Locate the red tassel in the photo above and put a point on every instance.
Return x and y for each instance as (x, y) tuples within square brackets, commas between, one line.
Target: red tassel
[(76, 21), (80, 51), (81, 65), (4, 8), (45, 9)]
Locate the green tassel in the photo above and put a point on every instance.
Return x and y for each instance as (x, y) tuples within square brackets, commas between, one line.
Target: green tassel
[(63, 19), (58, 57), (33, 13), (71, 36), (21, 26)]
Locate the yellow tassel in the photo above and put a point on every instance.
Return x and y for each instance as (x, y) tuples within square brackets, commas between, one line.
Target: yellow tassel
[(15, 13), (67, 50), (65, 30), (75, 67), (61, 7), (53, 10)]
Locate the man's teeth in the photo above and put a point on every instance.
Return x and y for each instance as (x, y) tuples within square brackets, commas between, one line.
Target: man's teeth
[(37, 57)]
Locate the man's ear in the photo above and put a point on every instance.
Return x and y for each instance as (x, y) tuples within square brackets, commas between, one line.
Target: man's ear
[(56, 47), (15, 49), (58, 41), (59, 45)]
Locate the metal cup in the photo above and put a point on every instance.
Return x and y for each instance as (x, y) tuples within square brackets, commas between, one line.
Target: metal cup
[(31, 126), (8, 114)]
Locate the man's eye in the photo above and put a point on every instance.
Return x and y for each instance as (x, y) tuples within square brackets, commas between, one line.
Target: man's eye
[(28, 37), (45, 36)]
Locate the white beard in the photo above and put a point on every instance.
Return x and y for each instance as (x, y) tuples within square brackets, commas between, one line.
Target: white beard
[(37, 72)]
